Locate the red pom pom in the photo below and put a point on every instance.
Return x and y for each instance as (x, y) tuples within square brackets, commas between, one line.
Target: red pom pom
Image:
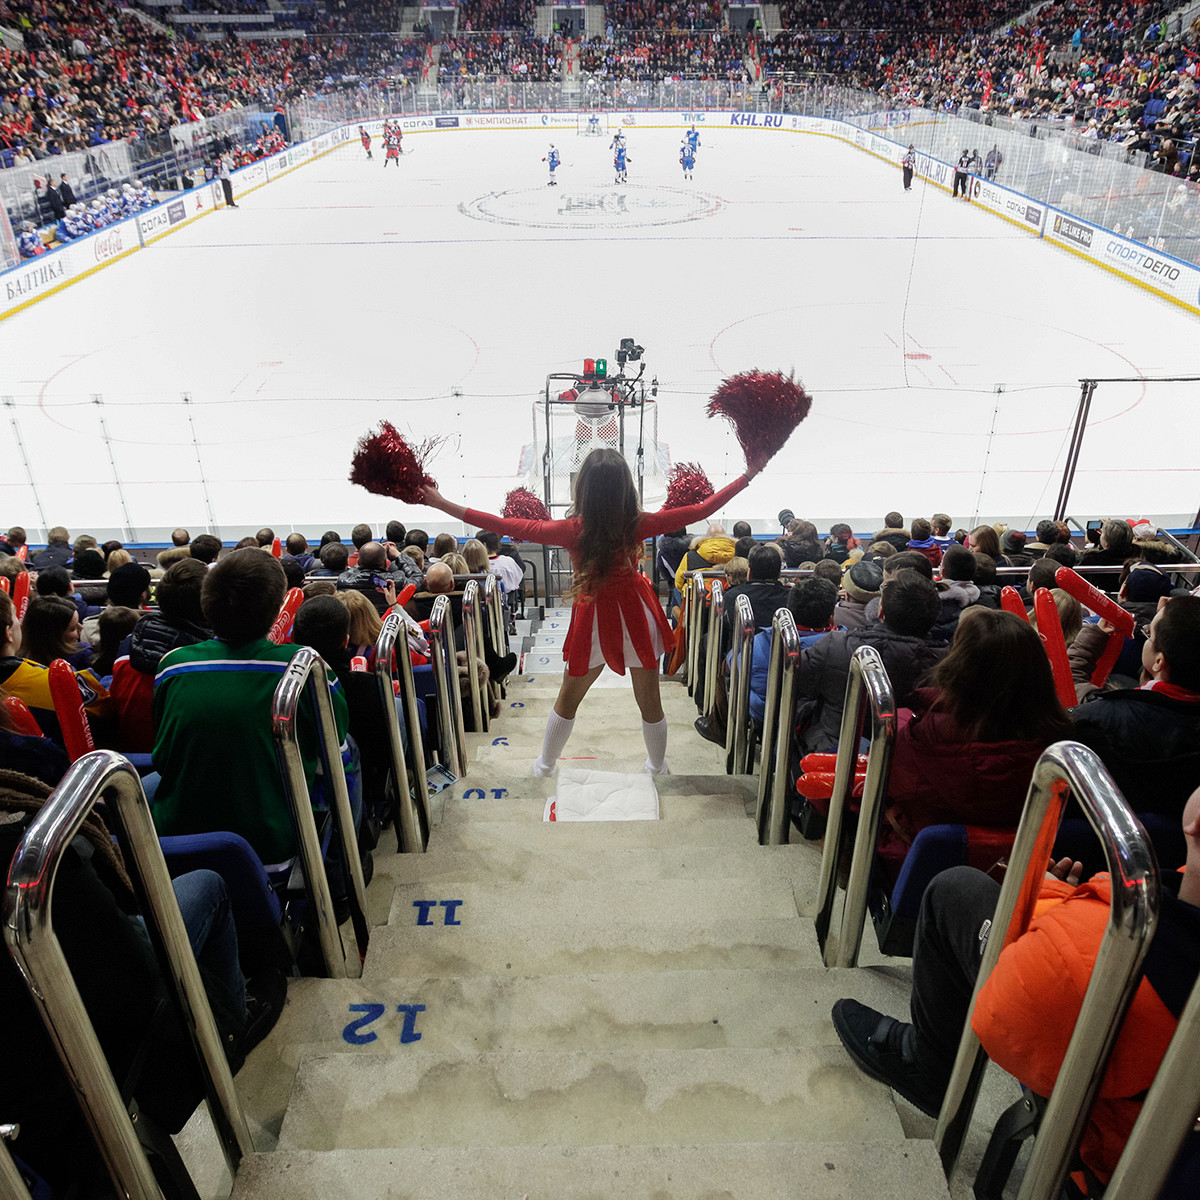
[(384, 463), (763, 408), (687, 484), (523, 505)]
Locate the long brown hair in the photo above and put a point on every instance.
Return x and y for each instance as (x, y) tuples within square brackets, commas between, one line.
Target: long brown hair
[(607, 506), (996, 681)]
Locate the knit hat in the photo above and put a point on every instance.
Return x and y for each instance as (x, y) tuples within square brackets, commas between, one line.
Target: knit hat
[(1142, 529), (1013, 540), (863, 581), (1145, 583)]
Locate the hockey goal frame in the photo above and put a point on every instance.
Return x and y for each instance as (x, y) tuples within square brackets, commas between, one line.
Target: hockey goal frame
[(584, 126)]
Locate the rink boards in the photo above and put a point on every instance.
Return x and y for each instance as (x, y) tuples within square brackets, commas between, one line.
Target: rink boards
[(1158, 273)]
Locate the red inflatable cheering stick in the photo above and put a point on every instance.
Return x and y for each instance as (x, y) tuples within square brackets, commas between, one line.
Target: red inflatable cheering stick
[(68, 707), (1049, 629), (1107, 609), (20, 594), (282, 629), (1010, 601)]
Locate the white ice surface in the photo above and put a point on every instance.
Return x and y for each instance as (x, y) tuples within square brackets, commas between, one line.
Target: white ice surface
[(440, 295)]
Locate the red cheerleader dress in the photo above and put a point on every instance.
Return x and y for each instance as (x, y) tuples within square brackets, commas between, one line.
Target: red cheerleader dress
[(623, 624)]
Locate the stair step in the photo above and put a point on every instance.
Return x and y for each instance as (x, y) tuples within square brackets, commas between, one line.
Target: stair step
[(584, 1098), (754, 1171), (583, 904), (549, 862), (544, 944), (529, 810), (500, 837)]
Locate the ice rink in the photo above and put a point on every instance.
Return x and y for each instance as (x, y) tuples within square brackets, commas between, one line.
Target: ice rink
[(943, 347)]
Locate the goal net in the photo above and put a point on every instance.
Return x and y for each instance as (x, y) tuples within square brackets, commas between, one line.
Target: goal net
[(592, 124), (576, 430)]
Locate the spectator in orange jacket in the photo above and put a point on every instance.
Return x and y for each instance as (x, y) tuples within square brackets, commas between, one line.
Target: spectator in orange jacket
[(1027, 1008)]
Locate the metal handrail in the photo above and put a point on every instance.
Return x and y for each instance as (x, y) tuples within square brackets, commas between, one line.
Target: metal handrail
[(412, 833), (774, 807), (472, 623), (453, 744), (1065, 769), (697, 600), (495, 610), (12, 1186), (867, 682), (1168, 1115), (29, 932), (306, 671), (716, 623), (739, 749)]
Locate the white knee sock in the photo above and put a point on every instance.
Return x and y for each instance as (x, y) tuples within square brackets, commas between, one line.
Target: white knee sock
[(655, 736), (558, 731)]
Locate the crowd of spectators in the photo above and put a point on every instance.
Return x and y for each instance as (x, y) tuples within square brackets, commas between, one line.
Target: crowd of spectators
[(193, 666), (92, 72)]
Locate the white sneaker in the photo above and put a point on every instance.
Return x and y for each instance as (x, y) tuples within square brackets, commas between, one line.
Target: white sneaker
[(541, 771), (663, 770)]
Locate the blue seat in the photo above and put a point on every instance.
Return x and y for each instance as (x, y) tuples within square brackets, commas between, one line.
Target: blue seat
[(935, 849)]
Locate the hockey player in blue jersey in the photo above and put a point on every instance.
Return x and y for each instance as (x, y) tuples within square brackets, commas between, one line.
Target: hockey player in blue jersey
[(618, 141), (687, 159), (29, 241), (552, 159), (619, 161), (693, 140)]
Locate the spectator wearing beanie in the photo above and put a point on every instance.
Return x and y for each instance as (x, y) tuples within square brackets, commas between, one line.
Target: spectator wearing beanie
[(922, 541), (128, 587), (1012, 545), (861, 584)]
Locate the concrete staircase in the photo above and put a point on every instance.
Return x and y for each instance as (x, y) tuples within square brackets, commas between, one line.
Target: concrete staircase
[(633, 1009)]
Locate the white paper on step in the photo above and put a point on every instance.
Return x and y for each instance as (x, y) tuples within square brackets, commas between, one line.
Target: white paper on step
[(602, 796)]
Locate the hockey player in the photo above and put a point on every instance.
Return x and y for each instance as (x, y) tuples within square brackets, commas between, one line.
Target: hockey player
[(619, 161), (618, 141), (687, 159), (392, 141), (129, 201), (552, 159), (29, 241), (366, 140), (145, 197), (693, 140), (99, 214)]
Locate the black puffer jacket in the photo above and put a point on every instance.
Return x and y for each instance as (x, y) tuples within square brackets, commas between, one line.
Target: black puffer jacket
[(825, 667), (154, 637), (1149, 742)]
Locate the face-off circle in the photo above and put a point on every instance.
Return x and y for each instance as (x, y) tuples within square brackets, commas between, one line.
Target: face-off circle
[(623, 207)]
